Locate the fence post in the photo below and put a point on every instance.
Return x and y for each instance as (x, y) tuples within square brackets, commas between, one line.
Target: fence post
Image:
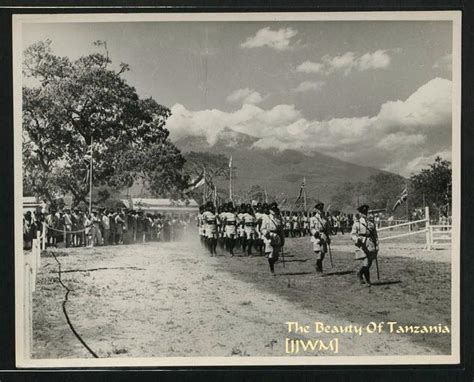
[(43, 235), (428, 228), (38, 250), (28, 310)]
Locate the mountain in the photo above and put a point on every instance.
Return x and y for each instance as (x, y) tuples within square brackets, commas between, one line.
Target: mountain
[(278, 171)]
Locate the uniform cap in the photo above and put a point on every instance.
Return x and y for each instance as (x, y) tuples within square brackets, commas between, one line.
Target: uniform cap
[(319, 206), (363, 209)]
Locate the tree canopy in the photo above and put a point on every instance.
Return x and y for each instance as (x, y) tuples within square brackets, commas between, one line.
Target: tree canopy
[(428, 187), (380, 191), (73, 108), (432, 185)]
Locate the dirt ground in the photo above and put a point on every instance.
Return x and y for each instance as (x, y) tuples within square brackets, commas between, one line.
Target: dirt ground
[(174, 299)]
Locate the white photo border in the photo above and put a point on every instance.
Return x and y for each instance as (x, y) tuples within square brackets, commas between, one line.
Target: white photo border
[(454, 358)]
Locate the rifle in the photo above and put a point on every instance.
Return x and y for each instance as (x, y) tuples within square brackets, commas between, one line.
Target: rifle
[(376, 211), (377, 267), (330, 255), (283, 256)]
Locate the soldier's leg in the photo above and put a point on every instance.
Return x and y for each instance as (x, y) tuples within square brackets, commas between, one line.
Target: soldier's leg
[(214, 245), (271, 263), (365, 272), (367, 269), (243, 243), (249, 245), (361, 272), (319, 262), (231, 244)]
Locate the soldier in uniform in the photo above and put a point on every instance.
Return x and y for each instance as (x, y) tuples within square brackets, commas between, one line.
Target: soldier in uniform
[(249, 227), (220, 226), (240, 227), (305, 224), (319, 224), (364, 236), (211, 227), (259, 244), (272, 242), (230, 228), (201, 226), (287, 223)]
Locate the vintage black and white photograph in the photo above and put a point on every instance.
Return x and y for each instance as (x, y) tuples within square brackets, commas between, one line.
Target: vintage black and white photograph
[(237, 189)]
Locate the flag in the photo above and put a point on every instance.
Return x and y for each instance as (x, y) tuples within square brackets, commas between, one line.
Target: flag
[(230, 162), (198, 182), (303, 185), (401, 199)]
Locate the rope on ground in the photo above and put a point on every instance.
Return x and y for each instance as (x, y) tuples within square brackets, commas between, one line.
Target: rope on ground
[(66, 297)]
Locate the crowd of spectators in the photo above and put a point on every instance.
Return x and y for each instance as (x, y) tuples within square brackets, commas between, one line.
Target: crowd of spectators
[(103, 226)]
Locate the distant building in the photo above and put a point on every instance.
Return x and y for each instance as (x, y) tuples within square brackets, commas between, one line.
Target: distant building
[(162, 205), (32, 203)]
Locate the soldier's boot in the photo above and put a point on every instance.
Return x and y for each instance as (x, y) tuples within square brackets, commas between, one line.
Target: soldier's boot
[(231, 246), (249, 247), (367, 276), (272, 265), (319, 266), (244, 244), (359, 275)]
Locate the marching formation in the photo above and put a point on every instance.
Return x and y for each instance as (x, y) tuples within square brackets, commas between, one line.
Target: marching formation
[(262, 229)]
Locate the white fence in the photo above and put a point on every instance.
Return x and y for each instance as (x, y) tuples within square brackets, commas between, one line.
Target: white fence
[(435, 235), (439, 236), (32, 263)]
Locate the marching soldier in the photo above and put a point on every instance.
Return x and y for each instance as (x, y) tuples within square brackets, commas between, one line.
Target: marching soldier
[(259, 216), (240, 227), (220, 226), (320, 227), (364, 235), (272, 242), (230, 228), (249, 227), (211, 227), (201, 226)]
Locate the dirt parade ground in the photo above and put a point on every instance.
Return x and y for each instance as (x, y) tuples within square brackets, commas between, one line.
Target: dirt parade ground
[(174, 299)]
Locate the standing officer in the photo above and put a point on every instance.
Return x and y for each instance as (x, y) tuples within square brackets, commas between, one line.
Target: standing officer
[(319, 224), (364, 235)]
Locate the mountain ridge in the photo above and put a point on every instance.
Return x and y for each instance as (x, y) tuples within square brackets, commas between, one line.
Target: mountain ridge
[(278, 171)]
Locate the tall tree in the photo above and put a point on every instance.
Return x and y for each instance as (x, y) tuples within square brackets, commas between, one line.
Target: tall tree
[(73, 108), (215, 168), (433, 184)]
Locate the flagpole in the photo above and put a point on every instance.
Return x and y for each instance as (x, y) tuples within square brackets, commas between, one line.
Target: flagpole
[(90, 181), (230, 179), (215, 196), (408, 210), (304, 194), (204, 191)]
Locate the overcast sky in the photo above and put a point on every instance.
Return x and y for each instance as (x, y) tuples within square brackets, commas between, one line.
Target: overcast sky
[(373, 93)]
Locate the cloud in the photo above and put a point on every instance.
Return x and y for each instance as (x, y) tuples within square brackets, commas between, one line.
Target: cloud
[(276, 39), (307, 86), (444, 63), (394, 139), (246, 96), (311, 67), (422, 161), (346, 63)]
